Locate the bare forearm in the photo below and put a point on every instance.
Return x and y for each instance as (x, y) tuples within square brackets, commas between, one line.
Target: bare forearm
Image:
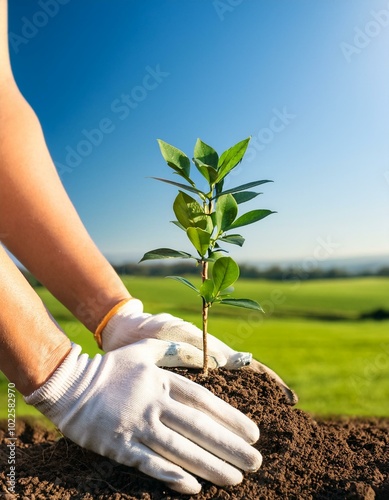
[(39, 223), (31, 344), (5, 65)]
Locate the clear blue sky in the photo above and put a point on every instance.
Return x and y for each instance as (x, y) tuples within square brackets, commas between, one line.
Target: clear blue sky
[(221, 71)]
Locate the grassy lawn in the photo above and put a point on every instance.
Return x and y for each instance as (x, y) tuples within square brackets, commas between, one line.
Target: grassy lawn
[(335, 366)]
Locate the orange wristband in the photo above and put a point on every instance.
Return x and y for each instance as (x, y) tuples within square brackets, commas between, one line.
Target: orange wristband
[(104, 321)]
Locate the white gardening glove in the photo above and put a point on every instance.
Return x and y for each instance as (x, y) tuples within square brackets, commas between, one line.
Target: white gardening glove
[(122, 406), (130, 324)]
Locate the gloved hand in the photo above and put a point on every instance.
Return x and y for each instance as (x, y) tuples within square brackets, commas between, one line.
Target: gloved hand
[(122, 406), (129, 324)]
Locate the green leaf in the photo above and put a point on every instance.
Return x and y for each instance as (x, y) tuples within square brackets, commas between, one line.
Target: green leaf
[(209, 224), (242, 187), (226, 211), (213, 256), (199, 238), (184, 281), (250, 218), (245, 196), (206, 154), (182, 186), (176, 223), (246, 303), (226, 292), (230, 158), (189, 213), (234, 239), (206, 290), (166, 253), (206, 171), (175, 158), (225, 272), (219, 188)]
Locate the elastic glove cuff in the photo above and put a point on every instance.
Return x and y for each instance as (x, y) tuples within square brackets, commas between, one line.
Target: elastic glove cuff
[(52, 398), (106, 318), (118, 322), (132, 307)]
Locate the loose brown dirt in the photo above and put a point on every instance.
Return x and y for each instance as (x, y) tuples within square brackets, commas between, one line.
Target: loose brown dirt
[(304, 458)]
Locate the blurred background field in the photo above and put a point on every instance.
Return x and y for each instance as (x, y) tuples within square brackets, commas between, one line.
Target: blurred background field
[(315, 334)]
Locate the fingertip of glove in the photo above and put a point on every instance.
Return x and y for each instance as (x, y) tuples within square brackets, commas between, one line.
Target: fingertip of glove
[(252, 432), (255, 461), (291, 396), (187, 486), (234, 478), (238, 360)]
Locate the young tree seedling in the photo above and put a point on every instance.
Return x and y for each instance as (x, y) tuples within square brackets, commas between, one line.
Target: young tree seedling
[(209, 220)]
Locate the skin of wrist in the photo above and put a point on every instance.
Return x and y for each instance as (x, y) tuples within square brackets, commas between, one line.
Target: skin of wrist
[(92, 313), (51, 360)]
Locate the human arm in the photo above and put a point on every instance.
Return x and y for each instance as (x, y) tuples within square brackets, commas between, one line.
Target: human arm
[(40, 225), (31, 344)]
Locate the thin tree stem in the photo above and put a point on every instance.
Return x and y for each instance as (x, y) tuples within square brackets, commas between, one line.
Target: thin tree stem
[(205, 346), (204, 276)]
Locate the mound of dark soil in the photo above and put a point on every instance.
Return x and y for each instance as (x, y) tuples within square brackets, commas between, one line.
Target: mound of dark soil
[(304, 458)]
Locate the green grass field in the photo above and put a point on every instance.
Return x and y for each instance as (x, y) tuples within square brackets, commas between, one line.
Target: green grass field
[(310, 335)]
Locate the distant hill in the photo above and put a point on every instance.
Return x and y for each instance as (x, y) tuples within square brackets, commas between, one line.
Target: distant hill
[(352, 265), (304, 270), (369, 263)]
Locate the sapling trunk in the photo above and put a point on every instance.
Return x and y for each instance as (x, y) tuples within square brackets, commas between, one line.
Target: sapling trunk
[(204, 276), (205, 305)]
